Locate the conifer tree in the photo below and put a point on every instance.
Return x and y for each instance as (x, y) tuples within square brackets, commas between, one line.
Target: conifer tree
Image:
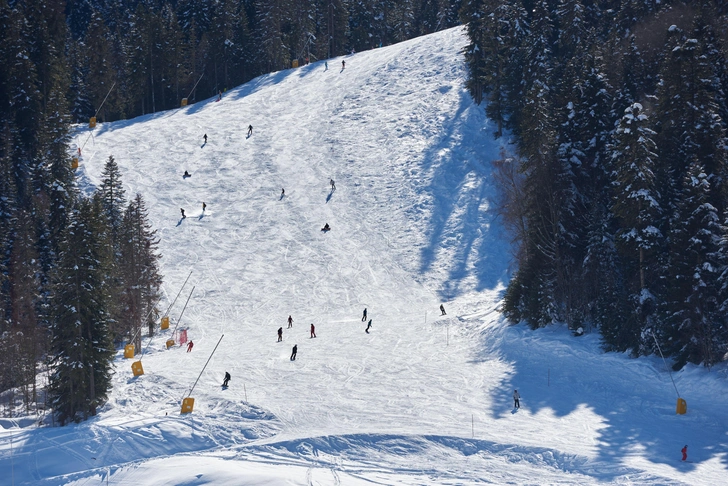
[(81, 344)]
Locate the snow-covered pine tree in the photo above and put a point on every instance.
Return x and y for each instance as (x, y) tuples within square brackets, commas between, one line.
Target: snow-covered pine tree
[(696, 263), (636, 207)]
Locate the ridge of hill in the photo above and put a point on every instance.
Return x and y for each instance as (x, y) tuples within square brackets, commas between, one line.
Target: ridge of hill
[(422, 398)]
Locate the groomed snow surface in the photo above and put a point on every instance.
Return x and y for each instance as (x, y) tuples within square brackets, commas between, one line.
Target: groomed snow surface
[(423, 399)]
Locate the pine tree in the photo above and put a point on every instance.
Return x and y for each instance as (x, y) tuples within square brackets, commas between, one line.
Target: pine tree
[(637, 210), (81, 346), (695, 266)]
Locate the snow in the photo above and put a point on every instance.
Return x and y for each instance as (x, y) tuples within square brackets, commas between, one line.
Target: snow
[(423, 399)]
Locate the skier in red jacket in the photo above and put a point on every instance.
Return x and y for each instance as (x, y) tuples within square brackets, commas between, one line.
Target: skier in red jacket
[(684, 451)]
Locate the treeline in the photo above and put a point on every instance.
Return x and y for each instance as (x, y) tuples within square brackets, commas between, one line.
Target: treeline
[(155, 51), (617, 198), (77, 272)]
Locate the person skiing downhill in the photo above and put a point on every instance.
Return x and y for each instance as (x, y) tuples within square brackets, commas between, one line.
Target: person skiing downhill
[(183, 213), (313, 330), (684, 451), (225, 381), (442, 309), (189, 346), (333, 184), (250, 130), (369, 325), (364, 315), (343, 64), (326, 66), (290, 322), (516, 399), (204, 206), (280, 334), (294, 352), (205, 137)]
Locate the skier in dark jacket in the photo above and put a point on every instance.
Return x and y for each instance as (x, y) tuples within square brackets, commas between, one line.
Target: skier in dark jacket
[(369, 326), (442, 309), (294, 352), (364, 315), (250, 130), (290, 322), (225, 381), (313, 330), (183, 213), (205, 137), (280, 334)]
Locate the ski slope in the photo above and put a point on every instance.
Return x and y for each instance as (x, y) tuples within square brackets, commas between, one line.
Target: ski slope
[(423, 399)]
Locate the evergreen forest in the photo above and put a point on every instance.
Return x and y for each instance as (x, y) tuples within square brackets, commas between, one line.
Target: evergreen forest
[(616, 193)]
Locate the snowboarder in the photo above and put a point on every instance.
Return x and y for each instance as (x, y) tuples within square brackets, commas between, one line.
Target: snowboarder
[(343, 64), (225, 381), (183, 213), (250, 130), (280, 334), (326, 228), (203, 206), (189, 346), (205, 137), (294, 352), (333, 184), (313, 331), (290, 322), (369, 325), (442, 309), (186, 175), (684, 451), (364, 315), (516, 399)]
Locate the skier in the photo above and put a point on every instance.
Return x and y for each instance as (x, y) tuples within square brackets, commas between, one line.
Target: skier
[(326, 66), (219, 95), (250, 130), (333, 184), (183, 213), (290, 322), (283, 193), (369, 325), (203, 206), (364, 315), (225, 381), (313, 331), (516, 399), (205, 137), (186, 175), (684, 451), (294, 352), (343, 64), (280, 334), (326, 228), (189, 346), (442, 309)]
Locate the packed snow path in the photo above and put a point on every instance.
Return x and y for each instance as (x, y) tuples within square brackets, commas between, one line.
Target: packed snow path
[(422, 398)]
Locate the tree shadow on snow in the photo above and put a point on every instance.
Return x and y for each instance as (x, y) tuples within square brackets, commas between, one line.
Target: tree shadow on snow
[(462, 226), (565, 378)]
